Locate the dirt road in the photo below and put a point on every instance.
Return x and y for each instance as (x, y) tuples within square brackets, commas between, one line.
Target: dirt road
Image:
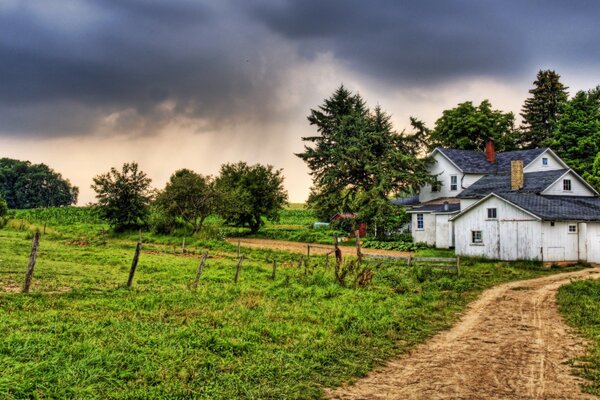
[(299, 247), (510, 344)]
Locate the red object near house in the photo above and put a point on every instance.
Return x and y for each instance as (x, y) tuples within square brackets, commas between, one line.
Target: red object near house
[(362, 229)]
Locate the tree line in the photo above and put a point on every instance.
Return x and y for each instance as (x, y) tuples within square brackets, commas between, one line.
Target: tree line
[(243, 195), (358, 161)]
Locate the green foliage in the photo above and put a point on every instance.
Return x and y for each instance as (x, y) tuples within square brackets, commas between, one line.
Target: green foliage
[(188, 196), (123, 197), (578, 303), (593, 177), (576, 138), (542, 110), (249, 193), (27, 185), (80, 334), (357, 160), (468, 127), (3, 212)]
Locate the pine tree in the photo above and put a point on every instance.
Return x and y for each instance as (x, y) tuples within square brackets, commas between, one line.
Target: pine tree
[(541, 111)]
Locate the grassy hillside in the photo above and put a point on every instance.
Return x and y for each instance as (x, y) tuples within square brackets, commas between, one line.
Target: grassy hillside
[(579, 303), (81, 334)]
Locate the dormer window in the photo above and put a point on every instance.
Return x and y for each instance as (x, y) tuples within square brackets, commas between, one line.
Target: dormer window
[(545, 161), (453, 182), (567, 185)]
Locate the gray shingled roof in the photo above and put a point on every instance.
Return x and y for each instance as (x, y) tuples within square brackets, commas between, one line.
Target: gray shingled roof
[(557, 208), (407, 201), (474, 162), (535, 182), (438, 208)]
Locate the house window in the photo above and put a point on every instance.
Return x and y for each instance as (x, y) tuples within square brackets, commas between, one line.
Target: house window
[(572, 228), (420, 223), (492, 213), (453, 182), (544, 161), (567, 185), (476, 237)]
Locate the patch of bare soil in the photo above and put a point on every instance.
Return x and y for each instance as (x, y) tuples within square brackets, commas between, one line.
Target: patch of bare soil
[(511, 343), (299, 247)]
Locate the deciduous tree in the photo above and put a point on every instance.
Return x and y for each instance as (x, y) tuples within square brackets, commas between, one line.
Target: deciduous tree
[(27, 185), (249, 193), (468, 127), (188, 196), (124, 197), (576, 138)]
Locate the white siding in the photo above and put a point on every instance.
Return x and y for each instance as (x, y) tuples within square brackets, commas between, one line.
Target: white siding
[(443, 231), (427, 234), (443, 169), (513, 235), (537, 164), (582, 239), (558, 243), (593, 242), (464, 203), (577, 187)]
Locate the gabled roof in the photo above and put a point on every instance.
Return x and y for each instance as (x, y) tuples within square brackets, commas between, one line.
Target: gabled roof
[(441, 205), (475, 162), (407, 201), (548, 208), (534, 182), (557, 208)]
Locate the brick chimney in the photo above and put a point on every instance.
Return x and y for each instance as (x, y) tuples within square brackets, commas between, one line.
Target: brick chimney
[(490, 150), (517, 179)]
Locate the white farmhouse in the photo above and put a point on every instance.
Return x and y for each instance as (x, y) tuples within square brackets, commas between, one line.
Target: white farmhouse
[(512, 205)]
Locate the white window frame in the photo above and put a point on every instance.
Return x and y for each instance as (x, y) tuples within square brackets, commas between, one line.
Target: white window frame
[(453, 185), (422, 222), (567, 182), (476, 240), (545, 161), (495, 211), (572, 228)]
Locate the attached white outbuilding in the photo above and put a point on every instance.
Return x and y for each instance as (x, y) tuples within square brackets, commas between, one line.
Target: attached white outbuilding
[(530, 227)]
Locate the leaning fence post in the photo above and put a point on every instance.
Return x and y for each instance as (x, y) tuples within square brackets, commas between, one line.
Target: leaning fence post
[(32, 259), (199, 271), (134, 263), (274, 269), (458, 265), (237, 270), (409, 261)]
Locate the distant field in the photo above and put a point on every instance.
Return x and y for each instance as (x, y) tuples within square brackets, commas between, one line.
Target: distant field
[(80, 334)]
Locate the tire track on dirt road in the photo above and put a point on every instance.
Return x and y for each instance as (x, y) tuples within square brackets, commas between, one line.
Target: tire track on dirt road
[(511, 343)]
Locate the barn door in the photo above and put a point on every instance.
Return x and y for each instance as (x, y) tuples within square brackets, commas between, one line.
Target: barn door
[(509, 240)]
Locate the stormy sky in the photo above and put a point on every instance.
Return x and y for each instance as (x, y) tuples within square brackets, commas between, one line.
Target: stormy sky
[(86, 85)]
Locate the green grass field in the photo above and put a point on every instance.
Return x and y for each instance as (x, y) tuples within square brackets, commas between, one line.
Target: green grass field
[(81, 334), (579, 303)]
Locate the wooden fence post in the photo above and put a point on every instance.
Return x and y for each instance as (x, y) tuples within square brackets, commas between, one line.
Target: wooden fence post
[(409, 261), (274, 269), (358, 251), (337, 251), (183, 246), (134, 263), (308, 251), (32, 259), (199, 271), (458, 265), (237, 270)]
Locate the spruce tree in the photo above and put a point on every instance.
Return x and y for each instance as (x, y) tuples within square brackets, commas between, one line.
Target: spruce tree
[(541, 111)]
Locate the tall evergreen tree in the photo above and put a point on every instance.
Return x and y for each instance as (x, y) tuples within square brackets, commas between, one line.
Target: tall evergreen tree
[(576, 138), (468, 127), (541, 111), (358, 160)]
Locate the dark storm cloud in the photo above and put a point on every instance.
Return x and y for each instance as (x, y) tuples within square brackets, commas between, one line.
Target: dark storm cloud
[(67, 65)]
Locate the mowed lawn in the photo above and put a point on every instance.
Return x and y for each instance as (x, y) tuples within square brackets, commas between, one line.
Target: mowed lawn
[(81, 334)]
